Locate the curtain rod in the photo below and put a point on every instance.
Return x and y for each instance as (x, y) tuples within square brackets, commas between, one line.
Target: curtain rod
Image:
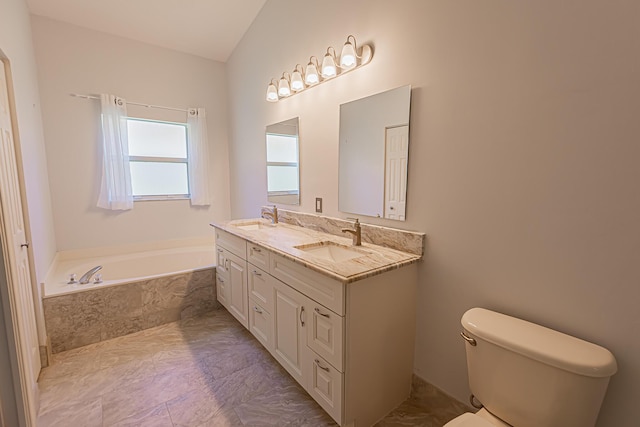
[(77, 95)]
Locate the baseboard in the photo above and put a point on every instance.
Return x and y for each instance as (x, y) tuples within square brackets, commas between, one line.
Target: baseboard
[(440, 404), (45, 354)]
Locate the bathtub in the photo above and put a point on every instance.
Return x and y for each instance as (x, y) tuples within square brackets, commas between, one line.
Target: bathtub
[(140, 289), (127, 267)]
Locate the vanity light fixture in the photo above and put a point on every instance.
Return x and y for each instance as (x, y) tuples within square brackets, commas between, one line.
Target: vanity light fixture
[(329, 68), (350, 59), (311, 76), (284, 89), (348, 56), (297, 84), (272, 92)]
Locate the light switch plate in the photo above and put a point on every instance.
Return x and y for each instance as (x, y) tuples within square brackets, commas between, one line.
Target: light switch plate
[(319, 204)]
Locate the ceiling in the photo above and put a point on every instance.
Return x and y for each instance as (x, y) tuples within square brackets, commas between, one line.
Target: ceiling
[(207, 28)]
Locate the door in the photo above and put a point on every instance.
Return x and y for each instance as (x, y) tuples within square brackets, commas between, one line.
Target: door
[(290, 330), (16, 260), (395, 175)]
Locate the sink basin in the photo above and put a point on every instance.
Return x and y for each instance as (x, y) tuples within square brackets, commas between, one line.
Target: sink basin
[(252, 225), (330, 251)]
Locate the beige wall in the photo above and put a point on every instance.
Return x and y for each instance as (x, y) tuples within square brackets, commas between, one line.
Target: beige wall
[(523, 165), (16, 45), (73, 59)]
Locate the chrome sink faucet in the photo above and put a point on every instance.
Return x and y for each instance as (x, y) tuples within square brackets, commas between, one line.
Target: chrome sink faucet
[(86, 277), (356, 232), (272, 215)]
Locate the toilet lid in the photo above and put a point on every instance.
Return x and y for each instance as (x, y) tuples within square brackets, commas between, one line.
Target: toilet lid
[(469, 420)]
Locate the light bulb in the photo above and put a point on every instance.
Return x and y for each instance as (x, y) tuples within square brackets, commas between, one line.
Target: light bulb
[(272, 94), (311, 76), (283, 87), (296, 81), (348, 55), (328, 66)]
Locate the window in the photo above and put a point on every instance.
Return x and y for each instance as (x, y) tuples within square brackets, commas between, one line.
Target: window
[(158, 159), (282, 164)]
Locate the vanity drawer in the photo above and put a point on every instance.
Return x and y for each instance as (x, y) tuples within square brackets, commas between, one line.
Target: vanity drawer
[(258, 256), (232, 243), (261, 287), (325, 335), (316, 286), (261, 324), (325, 385)]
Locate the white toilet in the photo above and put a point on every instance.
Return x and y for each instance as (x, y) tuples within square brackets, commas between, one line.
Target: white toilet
[(526, 375)]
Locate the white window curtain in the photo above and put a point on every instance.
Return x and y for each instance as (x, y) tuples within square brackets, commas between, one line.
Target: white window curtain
[(198, 152), (115, 190)]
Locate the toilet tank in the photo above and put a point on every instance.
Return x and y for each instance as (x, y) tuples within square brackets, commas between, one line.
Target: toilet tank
[(532, 376)]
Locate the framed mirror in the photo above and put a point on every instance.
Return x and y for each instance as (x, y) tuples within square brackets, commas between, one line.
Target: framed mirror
[(374, 154), (283, 166)]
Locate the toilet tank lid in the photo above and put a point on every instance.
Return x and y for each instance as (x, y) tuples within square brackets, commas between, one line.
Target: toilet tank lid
[(539, 343)]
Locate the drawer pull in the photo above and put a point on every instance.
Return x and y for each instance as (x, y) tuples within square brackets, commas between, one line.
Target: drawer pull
[(256, 309), (256, 249), (255, 273), (220, 279), (301, 312), (219, 250), (320, 366), (317, 310)]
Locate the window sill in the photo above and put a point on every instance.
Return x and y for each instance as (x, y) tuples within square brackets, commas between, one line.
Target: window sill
[(157, 198)]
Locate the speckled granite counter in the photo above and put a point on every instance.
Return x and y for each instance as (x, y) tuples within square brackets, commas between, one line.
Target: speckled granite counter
[(283, 238)]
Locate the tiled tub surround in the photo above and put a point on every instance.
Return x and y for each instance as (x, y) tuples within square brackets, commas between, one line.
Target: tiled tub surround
[(402, 240), (80, 318), (343, 324), (155, 284)]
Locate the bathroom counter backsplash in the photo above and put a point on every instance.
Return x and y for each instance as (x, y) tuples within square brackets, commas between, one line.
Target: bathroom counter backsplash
[(283, 239)]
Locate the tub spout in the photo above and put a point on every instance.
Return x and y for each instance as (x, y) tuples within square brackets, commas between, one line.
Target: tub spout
[(86, 277)]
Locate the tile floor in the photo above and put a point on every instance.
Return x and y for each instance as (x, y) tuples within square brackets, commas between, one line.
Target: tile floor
[(206, 371)]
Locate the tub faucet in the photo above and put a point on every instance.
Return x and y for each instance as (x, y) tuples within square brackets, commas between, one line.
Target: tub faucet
[(356, 232), (273, 215), (86, 277)]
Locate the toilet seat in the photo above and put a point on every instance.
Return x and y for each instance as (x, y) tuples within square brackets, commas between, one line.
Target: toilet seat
[(469, 420)]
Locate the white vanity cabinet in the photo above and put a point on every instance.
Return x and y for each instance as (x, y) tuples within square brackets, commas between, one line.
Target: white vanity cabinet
[(350, 345)]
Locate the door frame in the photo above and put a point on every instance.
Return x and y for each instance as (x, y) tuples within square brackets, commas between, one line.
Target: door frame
[(26, 402)]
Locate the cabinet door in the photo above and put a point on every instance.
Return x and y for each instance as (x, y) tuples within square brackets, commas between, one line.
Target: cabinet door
[(237, 302), (261, 324), (221, 261), (289, 332), (325, 334), (325, 385), (221, 290), (261, 287)]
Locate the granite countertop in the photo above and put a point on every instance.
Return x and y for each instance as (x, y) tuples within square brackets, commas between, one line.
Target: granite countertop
[(283, 239)]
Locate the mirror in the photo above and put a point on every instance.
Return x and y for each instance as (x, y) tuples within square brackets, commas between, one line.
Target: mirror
[(283, 171), (374, 152)]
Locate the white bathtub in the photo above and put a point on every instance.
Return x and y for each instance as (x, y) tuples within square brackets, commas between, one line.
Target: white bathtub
[(119, 267)]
